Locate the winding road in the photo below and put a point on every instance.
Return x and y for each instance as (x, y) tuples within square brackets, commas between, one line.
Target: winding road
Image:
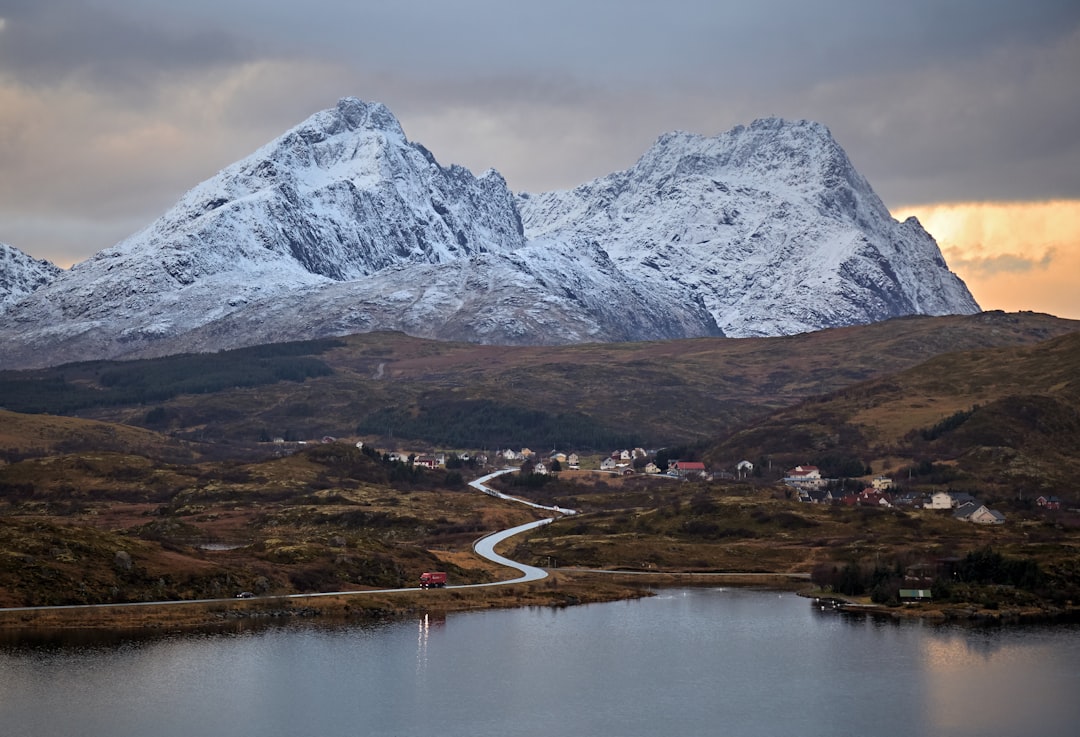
[(484, 547)]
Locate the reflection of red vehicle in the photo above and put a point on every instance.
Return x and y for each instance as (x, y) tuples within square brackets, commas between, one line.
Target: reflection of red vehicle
[(432, 579)]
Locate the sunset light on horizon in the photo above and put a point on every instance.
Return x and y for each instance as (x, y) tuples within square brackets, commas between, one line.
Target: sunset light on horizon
[(1013, 256)]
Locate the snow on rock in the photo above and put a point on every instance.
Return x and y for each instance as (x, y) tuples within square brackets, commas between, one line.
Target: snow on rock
[(769, 225), (343, 225), (21, 275), (337, 198)]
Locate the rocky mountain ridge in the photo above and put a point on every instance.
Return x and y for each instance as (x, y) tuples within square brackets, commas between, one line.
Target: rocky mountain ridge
[(343, 225), (770, 225), (21, 274)]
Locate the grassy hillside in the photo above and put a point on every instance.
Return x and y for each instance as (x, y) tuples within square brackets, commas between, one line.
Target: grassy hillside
[(24, 436), (395, 389), (649, 525), (98, 527), (1007, 419)]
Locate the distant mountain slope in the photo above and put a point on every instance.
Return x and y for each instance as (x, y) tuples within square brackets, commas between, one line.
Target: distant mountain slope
[(770, 225), (573, 396), (339, 225), (21, 274), (1011, 413), (343, 225), (340, 196)]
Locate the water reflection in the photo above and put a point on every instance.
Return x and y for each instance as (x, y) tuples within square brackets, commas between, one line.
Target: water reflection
[(686, 662), (974, 667), (426, 623)]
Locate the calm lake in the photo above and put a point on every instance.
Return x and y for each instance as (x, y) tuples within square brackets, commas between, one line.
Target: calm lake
[(685, 662)]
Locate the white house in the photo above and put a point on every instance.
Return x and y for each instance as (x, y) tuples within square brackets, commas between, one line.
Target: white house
[(979, 514), (940, 500), (805, 477), (882, 483), (949, 499)]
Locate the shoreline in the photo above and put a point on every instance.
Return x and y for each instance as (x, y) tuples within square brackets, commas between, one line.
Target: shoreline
[(555, 591), (956, 613), (562, 588)]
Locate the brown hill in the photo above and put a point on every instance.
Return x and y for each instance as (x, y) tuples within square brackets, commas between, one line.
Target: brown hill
[(1004, 418), (395, 389), (23, 435)]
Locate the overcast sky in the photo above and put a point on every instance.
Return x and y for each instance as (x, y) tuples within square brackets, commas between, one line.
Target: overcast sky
[(111, 109)]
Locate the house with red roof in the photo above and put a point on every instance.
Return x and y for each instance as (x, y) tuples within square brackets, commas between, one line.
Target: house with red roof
[(687, 468), (805, 477)]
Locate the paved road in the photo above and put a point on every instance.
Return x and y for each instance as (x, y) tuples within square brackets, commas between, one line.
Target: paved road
[(480, 484), (485, 547)]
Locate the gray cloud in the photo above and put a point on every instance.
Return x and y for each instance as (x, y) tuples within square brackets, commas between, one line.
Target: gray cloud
[(110, 111), (104, 47), (1006, 263)]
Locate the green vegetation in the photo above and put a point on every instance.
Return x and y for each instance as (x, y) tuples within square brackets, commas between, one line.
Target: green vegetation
[(82, 386), (982, 572), (101, 510), (483, 423), (949, 424), (589, 397)]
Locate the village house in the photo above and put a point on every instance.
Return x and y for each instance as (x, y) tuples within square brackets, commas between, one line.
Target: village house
[(1048, 502), (870, 497), (805, 477), (949, 499), (651, 467), (940, 500), (744, 469), (979, 514), (573, 461), (608, 464), (882, 483), (812, 496), (540, 468), (913, 499), (685, 469)]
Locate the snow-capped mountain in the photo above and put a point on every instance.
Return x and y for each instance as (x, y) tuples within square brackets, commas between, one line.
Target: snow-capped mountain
[(769, 225), (339, 225), (21, 274), (343, 225)]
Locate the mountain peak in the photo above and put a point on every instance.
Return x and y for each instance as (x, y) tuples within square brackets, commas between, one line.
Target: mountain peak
[(21, 274), (356, 114), (774, 123), (343, 225), (768, 224)]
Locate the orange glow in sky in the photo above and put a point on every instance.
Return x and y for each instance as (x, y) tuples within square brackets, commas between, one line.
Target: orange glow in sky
[(1012, 255)]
